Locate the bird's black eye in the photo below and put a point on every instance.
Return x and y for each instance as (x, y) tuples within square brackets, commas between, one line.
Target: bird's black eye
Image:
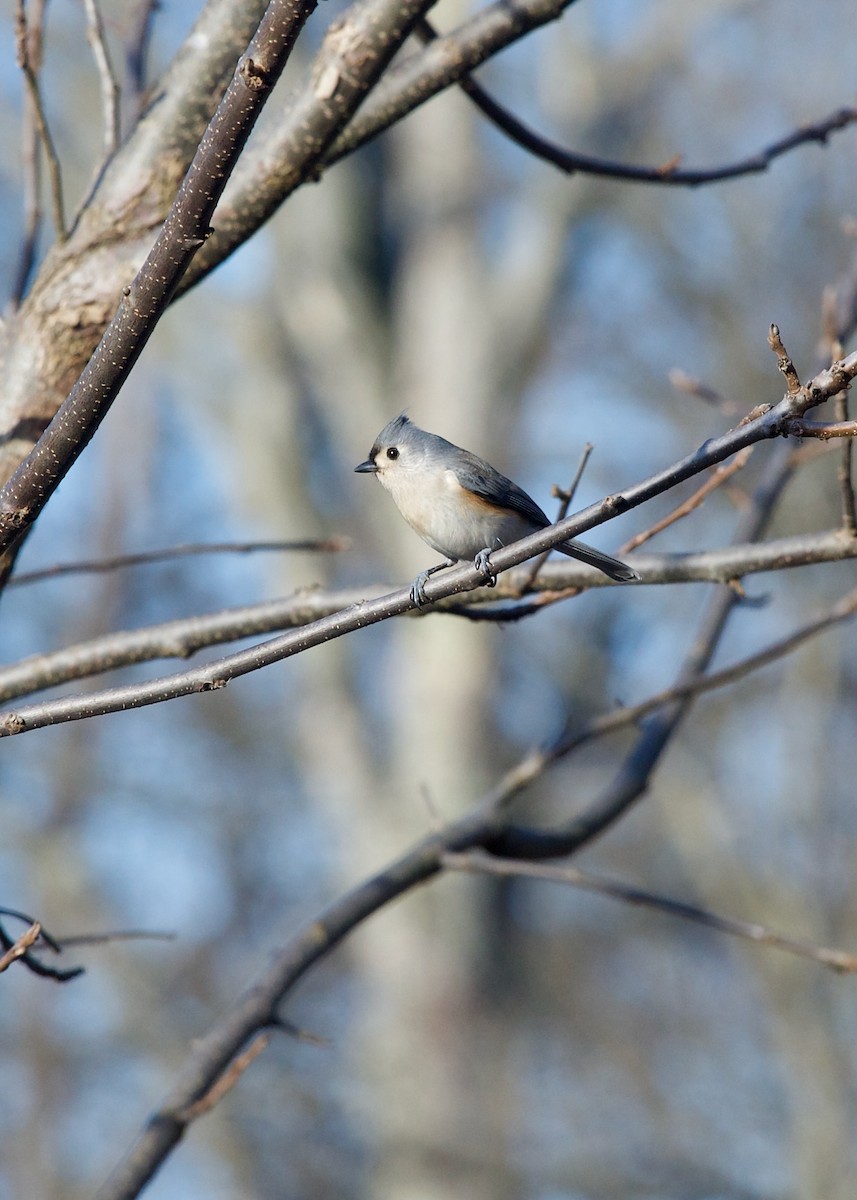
[(393, 452)]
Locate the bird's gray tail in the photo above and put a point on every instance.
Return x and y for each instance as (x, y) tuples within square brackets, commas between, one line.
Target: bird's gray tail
[(619, 571)]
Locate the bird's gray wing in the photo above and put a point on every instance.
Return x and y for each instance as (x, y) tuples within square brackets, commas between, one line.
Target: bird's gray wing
[(480, 478)]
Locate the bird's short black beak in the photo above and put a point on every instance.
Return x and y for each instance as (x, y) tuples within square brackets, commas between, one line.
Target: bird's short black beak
[(365, 467)]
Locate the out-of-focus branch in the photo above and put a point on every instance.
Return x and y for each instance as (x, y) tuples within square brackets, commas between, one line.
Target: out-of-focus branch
[(845, 473), (29, 70), (669, 173), (115, 935), (136, 52), (98, 566), (565, 498), (109, 84), (20, 946), (226, 1082), (691, 386), (30, 160), (478, 863), (715, 480), (632, 714), (20, 949), (839, 316)]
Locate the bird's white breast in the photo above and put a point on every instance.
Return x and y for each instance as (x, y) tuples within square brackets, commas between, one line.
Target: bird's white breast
[(451, 519)]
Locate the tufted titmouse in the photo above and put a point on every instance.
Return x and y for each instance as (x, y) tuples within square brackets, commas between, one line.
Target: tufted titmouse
[(459, 504)]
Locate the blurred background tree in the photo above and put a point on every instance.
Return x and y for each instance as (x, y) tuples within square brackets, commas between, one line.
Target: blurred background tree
[(486, 1038)]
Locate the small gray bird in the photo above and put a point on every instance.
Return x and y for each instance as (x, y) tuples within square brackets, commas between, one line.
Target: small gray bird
[(459, 504)]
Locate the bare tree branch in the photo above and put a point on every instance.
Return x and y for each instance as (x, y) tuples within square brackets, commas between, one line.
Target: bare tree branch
[(29, 70), (115, 935), (717, 477), (478, 863), (169, 553), (20, 949), (136, 53), (784, 363), (843, 610), (30, 161), (691, 386), (565, 498), (20, 946), (227, 1080), (845, 473), (669, 173), (107, 77), (822, 429), (634, 775)]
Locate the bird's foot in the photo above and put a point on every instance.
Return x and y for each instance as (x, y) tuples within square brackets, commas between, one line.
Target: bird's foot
[(418, 587), (484, 567)]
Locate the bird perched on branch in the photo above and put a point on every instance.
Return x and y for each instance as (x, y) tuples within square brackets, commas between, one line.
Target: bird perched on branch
[(459, 504)]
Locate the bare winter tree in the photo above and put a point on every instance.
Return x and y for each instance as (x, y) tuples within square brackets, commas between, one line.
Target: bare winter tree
[(511, 291)]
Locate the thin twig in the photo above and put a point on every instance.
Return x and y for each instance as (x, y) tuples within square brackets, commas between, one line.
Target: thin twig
[(717, 477), (843, 610), (136, 52), (784, 363), (32, 83), (477, 862), (20, 946), (30, 162), (225, 1082), (822, 430), (294, 1031), (573, 163), (110, 92), (691, 386), (168, 553), (838, 316), (116, 935), (845, 472), (565, 498)]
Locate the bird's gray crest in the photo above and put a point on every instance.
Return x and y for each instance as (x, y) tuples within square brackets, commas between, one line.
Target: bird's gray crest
[(393, 431)]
